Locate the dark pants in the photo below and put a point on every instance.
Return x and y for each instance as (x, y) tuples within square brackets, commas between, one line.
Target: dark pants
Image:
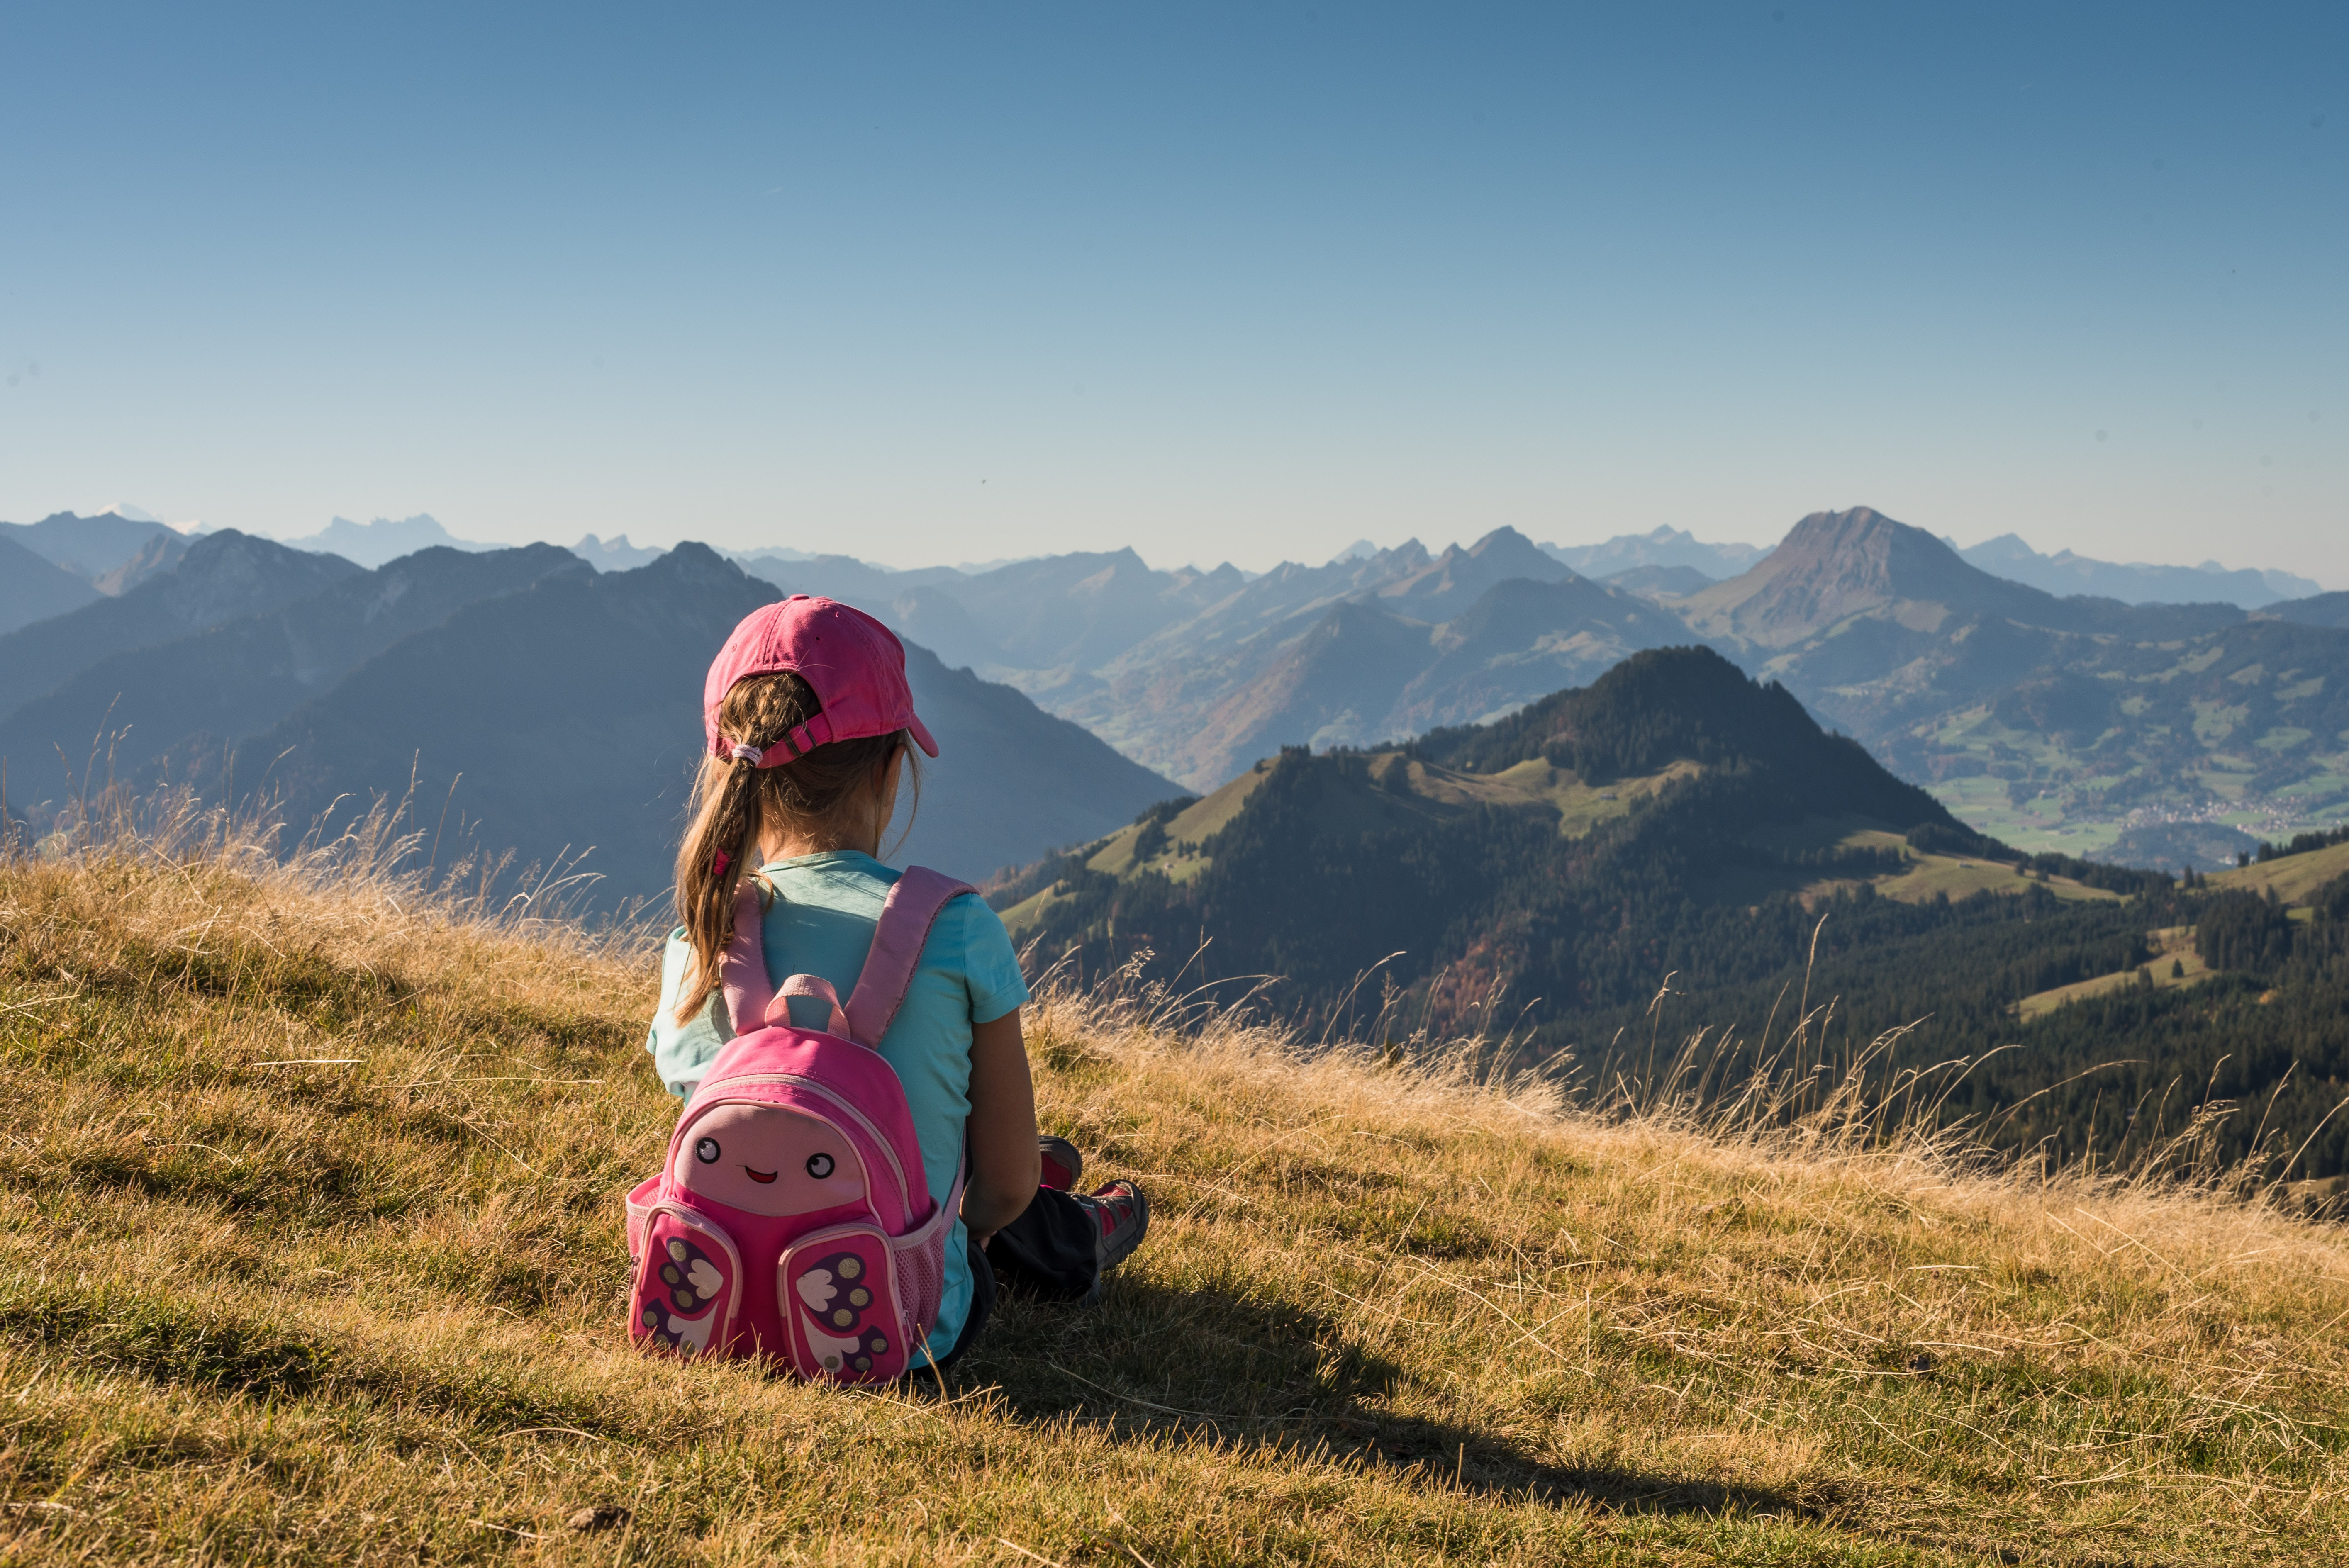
[(1048, 1251)]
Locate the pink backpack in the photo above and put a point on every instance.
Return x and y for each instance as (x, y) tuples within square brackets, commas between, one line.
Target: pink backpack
[(792, 1217)]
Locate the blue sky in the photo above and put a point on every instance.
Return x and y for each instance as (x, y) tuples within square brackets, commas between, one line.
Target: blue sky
[(1246, 282)]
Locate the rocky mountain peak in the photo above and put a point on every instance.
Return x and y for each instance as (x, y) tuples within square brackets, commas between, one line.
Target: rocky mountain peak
[(1835, 564)]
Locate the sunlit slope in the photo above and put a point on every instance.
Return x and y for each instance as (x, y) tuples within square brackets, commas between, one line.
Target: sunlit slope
[(2171, 963), (2172, 958), (1394, 786), (1504, 854), (1395, 789), (314, 1255), (2294, 877)]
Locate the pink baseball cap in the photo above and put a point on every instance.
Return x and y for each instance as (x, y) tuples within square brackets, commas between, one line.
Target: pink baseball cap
[(855, 664)]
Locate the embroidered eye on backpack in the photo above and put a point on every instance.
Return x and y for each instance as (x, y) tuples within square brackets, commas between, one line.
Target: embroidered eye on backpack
[(792, 1217)]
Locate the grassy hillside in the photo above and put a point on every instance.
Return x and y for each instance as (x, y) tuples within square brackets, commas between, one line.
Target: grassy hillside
[(2294, 877), (313, 1255), (1567, 854), (1395, 787)]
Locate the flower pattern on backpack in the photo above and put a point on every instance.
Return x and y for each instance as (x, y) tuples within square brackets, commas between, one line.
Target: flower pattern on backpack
[(692, 1280), (837, 1303)]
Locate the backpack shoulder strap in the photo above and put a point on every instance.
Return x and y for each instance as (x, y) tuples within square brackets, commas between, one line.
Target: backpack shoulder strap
[(906, 916), (742, 971)]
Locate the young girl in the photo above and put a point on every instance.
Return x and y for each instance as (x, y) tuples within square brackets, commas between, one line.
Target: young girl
[(807, 715)]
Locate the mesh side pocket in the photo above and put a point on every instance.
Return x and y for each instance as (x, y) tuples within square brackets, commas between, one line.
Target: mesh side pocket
[(921, 1268), (640, 1213)]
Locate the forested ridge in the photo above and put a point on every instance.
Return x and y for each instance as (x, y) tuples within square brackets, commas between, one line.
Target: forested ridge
[(1701, 906)]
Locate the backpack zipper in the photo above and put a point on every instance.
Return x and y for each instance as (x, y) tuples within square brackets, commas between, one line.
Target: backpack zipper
[(905, 1192)]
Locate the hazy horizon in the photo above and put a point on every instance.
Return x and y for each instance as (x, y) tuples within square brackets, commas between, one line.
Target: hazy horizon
[(1150, 557), (931, 286), (1159, 561)]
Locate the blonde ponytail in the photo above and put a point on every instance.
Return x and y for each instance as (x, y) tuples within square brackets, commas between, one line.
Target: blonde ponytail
[(734, 798)]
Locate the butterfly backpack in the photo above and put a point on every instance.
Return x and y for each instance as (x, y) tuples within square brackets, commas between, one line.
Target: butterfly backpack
[(792, 1218)]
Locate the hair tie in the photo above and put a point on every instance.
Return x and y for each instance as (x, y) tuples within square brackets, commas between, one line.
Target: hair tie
[(718, 864), (747, 753)]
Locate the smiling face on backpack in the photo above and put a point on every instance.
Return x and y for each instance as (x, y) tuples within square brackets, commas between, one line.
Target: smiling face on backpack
[(764, 1160)]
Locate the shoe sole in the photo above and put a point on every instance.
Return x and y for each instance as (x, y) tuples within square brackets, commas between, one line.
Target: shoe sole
[(1141, 1228)]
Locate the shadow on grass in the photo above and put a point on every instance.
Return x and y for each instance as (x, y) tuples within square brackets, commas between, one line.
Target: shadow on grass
[(1153, 1364), (149, 1335)]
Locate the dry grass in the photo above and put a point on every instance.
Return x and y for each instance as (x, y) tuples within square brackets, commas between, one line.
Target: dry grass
[(313, 1254)]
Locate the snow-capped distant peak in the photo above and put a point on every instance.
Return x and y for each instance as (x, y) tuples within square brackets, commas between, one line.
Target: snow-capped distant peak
[(124, 510)]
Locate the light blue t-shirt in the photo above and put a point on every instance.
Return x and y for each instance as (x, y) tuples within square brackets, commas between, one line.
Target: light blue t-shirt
[(821, 924)]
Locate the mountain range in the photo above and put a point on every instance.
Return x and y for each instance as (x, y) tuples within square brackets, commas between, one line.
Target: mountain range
[(387, 539), (2054, 720), (261, 642), (1441, 791), (2029, 714), (566, 715), (551, 708), (1196, 672), (218, 577), (98, 549), (1670, 548), (614, 554), (384, 540), (2134, 584), (1976, 685), (65, 561)]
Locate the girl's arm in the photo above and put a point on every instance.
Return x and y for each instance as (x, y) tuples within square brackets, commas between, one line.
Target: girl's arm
[(1002, 1133)]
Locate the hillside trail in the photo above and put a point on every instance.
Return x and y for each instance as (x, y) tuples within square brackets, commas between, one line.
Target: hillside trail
[(313, 1254)]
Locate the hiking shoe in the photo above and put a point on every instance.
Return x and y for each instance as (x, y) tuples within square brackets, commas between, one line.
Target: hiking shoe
[(1122, 1215), (1062, 1162)]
